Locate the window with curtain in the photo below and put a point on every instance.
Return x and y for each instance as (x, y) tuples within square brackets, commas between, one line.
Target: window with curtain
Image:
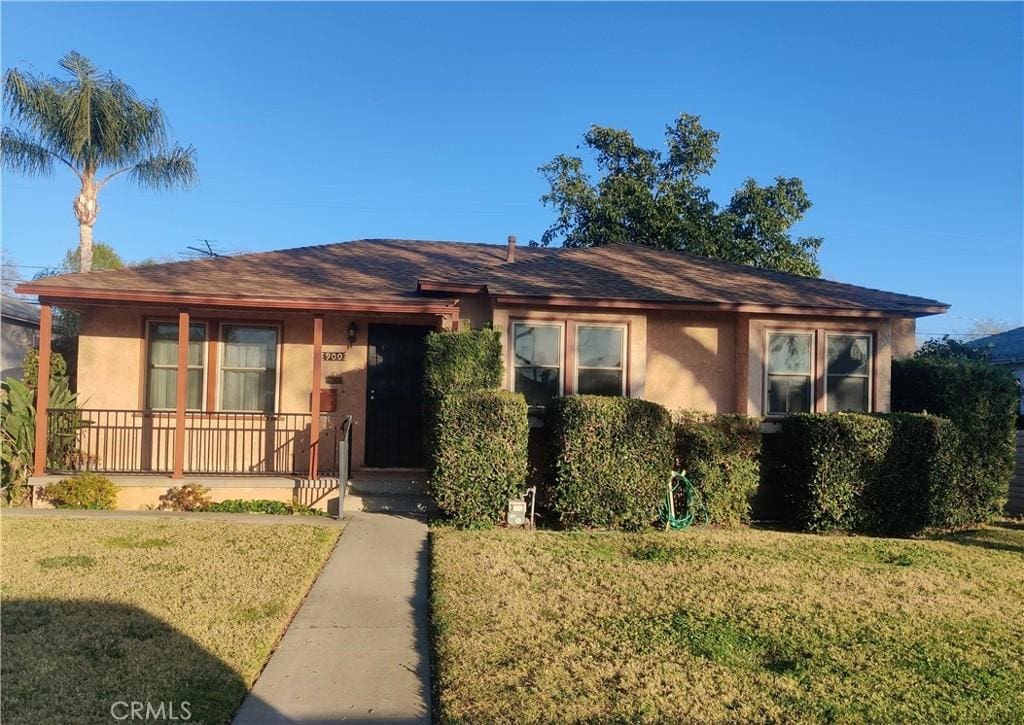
[(848, 378), (537, 361), (248, 368), (162, 374), (600, 360), (789, 383)]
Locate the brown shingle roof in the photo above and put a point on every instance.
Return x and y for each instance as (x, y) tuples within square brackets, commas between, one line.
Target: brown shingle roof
[(389, 270)]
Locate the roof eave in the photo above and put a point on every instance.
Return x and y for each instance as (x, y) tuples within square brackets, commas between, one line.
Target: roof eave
[(750, 308), (52, 294)]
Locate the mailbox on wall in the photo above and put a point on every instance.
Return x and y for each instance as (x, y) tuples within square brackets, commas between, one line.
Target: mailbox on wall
[(328, 400)]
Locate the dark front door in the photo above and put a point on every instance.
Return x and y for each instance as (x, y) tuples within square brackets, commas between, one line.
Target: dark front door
[(394, 396)]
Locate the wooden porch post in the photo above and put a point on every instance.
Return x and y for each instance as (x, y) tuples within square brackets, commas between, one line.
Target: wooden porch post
[(314, 400), (181, 397), (42, 389)]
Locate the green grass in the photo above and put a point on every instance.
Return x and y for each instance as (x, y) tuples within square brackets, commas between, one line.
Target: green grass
[(99, 611), (741, 625)]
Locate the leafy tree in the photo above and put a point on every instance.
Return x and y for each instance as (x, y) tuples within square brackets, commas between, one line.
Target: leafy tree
[(66, 321), (94, 124), (9, 276), (984, 326), (655, 198), (950, 349), (104, 256)]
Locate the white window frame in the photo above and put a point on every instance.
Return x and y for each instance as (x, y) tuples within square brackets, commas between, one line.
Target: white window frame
[(871, 365), (561, 351), (221, 343), (812, 373), (149, 366), (576, 351)]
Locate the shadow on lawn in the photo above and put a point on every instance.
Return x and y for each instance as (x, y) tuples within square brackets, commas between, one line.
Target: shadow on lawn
[(1005, 535), (73, 661)]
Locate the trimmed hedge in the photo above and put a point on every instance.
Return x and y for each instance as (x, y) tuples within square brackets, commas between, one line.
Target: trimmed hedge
[(456, 362), (612, 459), (721, 454), (828, 462), (480, 455), (921, 485), (891, 474), (460, 362), (83, 491), (981, 400)]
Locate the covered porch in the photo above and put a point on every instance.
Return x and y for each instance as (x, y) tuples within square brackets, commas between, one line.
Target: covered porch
[(308, 432)]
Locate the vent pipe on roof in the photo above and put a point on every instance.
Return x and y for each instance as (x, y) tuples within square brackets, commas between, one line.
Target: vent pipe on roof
[(510, 256)]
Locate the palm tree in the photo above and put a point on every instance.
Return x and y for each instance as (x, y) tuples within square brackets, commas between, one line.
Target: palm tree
[(96, 126)]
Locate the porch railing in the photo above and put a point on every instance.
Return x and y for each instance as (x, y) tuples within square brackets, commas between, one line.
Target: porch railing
[(139, 441)]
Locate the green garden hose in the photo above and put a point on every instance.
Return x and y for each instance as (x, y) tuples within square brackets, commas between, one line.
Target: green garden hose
[(695, 508)]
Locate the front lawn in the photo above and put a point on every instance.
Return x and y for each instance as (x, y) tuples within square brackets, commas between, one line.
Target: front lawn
[(96, 612), (728, 625)]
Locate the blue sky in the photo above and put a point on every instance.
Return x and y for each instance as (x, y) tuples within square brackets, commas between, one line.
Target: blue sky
[(325, 122)]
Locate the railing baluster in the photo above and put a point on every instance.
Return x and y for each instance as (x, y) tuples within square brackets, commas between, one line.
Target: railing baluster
[(138, 441)]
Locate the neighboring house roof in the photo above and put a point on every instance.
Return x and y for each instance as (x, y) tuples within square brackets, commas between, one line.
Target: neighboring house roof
[(404, 271), (1005, 347), (12, 308)]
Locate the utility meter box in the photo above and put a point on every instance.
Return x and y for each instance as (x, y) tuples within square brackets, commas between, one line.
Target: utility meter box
[(516, 513)]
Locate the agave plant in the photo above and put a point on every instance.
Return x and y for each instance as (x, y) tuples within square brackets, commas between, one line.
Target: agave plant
[(18, 430)]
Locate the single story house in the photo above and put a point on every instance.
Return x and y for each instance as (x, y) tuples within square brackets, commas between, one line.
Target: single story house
[(246, 365), (19, 329)]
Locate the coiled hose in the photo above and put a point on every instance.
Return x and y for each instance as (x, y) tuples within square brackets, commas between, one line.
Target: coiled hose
[(694, 505)]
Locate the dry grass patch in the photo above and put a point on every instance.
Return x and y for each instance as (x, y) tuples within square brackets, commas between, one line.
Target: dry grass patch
[(99, 611), (728, 625)]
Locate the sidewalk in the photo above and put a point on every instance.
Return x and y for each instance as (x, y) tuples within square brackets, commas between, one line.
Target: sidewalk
[(358, 649)]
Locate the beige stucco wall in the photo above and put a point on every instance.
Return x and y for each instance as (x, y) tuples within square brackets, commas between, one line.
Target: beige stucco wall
[(690, 361), (904, 337), (475, 311)]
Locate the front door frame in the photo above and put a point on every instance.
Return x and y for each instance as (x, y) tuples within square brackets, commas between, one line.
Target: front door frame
[(373, 455)]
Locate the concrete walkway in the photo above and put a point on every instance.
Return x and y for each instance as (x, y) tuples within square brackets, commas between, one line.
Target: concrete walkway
[(358, 649)]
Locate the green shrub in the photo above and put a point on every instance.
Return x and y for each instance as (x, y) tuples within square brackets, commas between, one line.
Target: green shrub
[(981, 400), (921, 485), (480, 455), (612, 460), (84, 491), (457, 362), (827, 463), (259, 506), (460, 362), (190, 497), (721, 454), (30, 368)]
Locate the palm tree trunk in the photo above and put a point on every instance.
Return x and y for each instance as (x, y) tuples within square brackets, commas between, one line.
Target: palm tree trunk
[(86, 208), (84, 247)]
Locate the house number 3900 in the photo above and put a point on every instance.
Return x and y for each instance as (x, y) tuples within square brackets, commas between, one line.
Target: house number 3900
[(332, 356)]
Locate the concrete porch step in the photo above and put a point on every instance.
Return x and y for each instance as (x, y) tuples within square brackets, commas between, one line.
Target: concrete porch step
[(394, 490), (387, 487), (397, 504)]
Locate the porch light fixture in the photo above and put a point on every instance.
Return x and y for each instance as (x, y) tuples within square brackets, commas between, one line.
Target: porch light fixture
[(352, 330)]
